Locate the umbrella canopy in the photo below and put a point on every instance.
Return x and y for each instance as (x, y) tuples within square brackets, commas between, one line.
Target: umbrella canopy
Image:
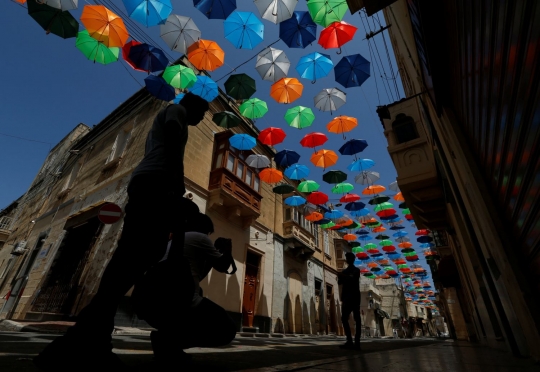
[(383, 206), (159, 88), (215, 9), (283, 189), (179, 33), (360, 213), (299, 117), (353, 147), (314, 66), (394, 187), (104, 25), (286, 90), (53, 20), (240, 86), (334, 176), (354, 206), (313, 139), (342, 124), (179, 76), (295, 201), (63, 5), (253, 108), (125, 53), (317, 197), (314, 216), (308, 186), (270, 175), (276, 10), (297, 172), (333, 214), (149, 12), (272, 64), (378, 200), (285, 158), (205, 88), (148, 58), (349, 198), (206, 55), (324, 158), (367, 178), (342, 188), (360, 165), (324, 12), (226, 119), (272, 136), (243, 29), (352, 71), (178, 98), (330, 99), (399, 197), (242, 142), (336, 34), (298, 31), (94, 50)]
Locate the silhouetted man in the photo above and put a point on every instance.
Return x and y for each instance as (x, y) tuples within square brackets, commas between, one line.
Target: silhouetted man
[(156, 207), (350, 301)]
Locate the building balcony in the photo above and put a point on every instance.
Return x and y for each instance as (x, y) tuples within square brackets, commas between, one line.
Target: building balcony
[(298, 241), (5, 224)]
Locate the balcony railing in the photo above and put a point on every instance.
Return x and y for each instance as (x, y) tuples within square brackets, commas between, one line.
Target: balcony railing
[(300, 242)]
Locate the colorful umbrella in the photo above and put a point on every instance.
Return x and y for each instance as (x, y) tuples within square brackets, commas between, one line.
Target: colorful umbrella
[(399, 197), (242, 142), (352, 71), (179, 76), (299, 117), (353, 147), (94, 50), (63, 5), (276, 10), (179, 33), (178, 98), (330, 99), (383, 206), (272, 136), (324, 12), (258, 161), (53, 20), (285, 158), (270, 175), (327, 225), (240, 86), (360, 213), (283, 189), (314, 66), (313, 139), (295, 201), (226, 119), (125, 53), (314, 216), (336, 34), (159, 88), (379, 200), (205, 88), (286, 90), (148, 58), (360, 165), (149, 12), (324, 158), (253, 108), (333, 214), (243, 29), (215, 9), (297, 172), (104, 25), (272, 64), (342, 124), (308, 186), (317, 197), (394, 187), (206, 55), (367, 178), (349, 198), (354, 206), (334, 176), (342, 188), (298, 31)]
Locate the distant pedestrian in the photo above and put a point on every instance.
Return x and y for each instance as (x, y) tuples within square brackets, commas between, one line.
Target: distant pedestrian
[(350, 301)]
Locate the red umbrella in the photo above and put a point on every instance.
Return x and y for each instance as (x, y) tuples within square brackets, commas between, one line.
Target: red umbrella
[(125, 54), (272, 136), (422, 232), (389, 248), (386, 213), (349, 198), (317, 197), (336, 34), (313, 139)]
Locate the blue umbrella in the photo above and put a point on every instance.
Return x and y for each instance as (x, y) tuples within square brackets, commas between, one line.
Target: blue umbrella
[(244, 30), (205, 88), (314, 66), (353, 146), (295, 201), (390, 218), (362, 232), (427, 245), (364, 238), (352, 71), (298, 31), (354, 206), (334, 213), (215, 9), (285, 158), (178, 98), (360, 213), (148, 58), (400, 234), (149, 12), (360, 165), (322, 221), (242, 141), (297, 172), (159, 88)]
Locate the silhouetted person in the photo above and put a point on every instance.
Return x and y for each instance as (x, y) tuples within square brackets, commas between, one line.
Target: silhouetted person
[(350, 301), (156, 207)]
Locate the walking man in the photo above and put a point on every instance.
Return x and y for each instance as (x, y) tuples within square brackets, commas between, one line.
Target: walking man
[(350, 301)]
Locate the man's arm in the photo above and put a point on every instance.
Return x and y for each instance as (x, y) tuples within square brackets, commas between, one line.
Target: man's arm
[(175, 128)]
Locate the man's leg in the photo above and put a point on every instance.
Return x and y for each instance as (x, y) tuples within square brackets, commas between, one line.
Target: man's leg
[(356, 315), (345, 313)]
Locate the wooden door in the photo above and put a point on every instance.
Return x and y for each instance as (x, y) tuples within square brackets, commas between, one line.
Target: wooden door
[(250, 289)]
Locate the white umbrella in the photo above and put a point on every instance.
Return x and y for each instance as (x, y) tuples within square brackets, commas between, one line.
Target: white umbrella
[(330, 99), (394, 186), (272, 64), (367, 178), (62, 4), (258, 161), (276, 10), (179, 33)]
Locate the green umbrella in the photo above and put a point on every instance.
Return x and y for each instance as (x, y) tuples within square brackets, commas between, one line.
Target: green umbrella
[(353, 225), (325, 12), (383, 206), (308, 186), (240, 86), (370, 246), (342, 188), (328, 225), (95, 50), (406, 211), (226, 119), (334, 176), (53, 20), (253, 108), (283, 189), (299, 117), (179, 76), (385, 243)]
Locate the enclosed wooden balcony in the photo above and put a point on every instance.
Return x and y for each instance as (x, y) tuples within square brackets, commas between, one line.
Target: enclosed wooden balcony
[(298, 241)]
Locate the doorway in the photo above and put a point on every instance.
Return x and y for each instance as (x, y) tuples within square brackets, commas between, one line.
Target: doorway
[(295, 295), (251, 280)]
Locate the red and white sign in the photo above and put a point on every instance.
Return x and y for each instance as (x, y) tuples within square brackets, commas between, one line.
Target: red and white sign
[(110, 213)]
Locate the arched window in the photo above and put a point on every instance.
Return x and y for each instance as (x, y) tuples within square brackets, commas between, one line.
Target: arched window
[(404, 128)]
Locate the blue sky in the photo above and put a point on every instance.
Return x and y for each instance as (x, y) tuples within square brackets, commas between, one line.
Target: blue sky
[(49, 86)]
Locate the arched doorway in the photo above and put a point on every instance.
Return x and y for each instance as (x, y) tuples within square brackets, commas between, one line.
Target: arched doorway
[(295, 294)]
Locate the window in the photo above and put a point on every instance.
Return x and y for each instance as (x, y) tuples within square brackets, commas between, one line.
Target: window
[(72, 176), (318, 287), (329, 291), (315, 233), (326, 243), (339, 253), (5, 222), (249, 176), (230, 162), (120, 143), (404, 128)]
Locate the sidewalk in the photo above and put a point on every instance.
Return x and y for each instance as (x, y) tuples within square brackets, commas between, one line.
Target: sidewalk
[(58, 327)]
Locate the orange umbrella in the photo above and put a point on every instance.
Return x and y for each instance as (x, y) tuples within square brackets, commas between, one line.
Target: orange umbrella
[(349, 237), (271, 175), (21, 1), (399, 197), (315, 216), (206, 55), (342, 124), (379, 229), (324, 158), (286, 90), (373, 189), (372, 264), (104, 25), (344, 221), (405, 245)]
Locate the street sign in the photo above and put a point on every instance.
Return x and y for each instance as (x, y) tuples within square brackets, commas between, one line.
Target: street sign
[(110, 213)]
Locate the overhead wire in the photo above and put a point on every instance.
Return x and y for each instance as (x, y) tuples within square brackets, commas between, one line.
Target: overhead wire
[(394, 75), (380, 59)]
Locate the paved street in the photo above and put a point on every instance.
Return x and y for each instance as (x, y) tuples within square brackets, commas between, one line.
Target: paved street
[(290, 354)]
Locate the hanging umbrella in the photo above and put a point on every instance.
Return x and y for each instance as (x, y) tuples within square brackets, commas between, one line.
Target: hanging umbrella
[(314, 66), (104, 25), (179, 33), (148, 58), (205, 88), (327, 225), (383, 206), (342, 124), (63, 5), (270, 175), (352, 71), (297, 172), (324, 12), (366, 178), (226, 119), (215, 9), (276, 10), (379, 200), (360, 165), (308, 186), (324, 158), (397, 227), (178, 98), (360, 213), (400, 234), (299, 117), (253, 108), (206, 55), (313, 139), (53, 20), (336, 34), (334, 176), (353, 147), (159, 88), (283, 189), (285, 158), (272, 136), (242, 142), (330, 99), (394, 187), (317, 197), (272, 64), (125, 54), (314, 216), (399, 197), (354, 206), (295, 201), (258, 161), (240, 86), (349, 198), (149, 12), (333, 214), (422, 232), (342, 188), (179, 76), (298, 31), (286, 90), (94, 50), (243, 29)]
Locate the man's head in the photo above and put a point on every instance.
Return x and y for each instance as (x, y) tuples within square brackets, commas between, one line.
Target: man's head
[(200, 223), (350, 257), (195, 108)]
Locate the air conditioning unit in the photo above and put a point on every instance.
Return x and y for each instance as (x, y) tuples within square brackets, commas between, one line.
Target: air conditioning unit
[(19, 249)]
